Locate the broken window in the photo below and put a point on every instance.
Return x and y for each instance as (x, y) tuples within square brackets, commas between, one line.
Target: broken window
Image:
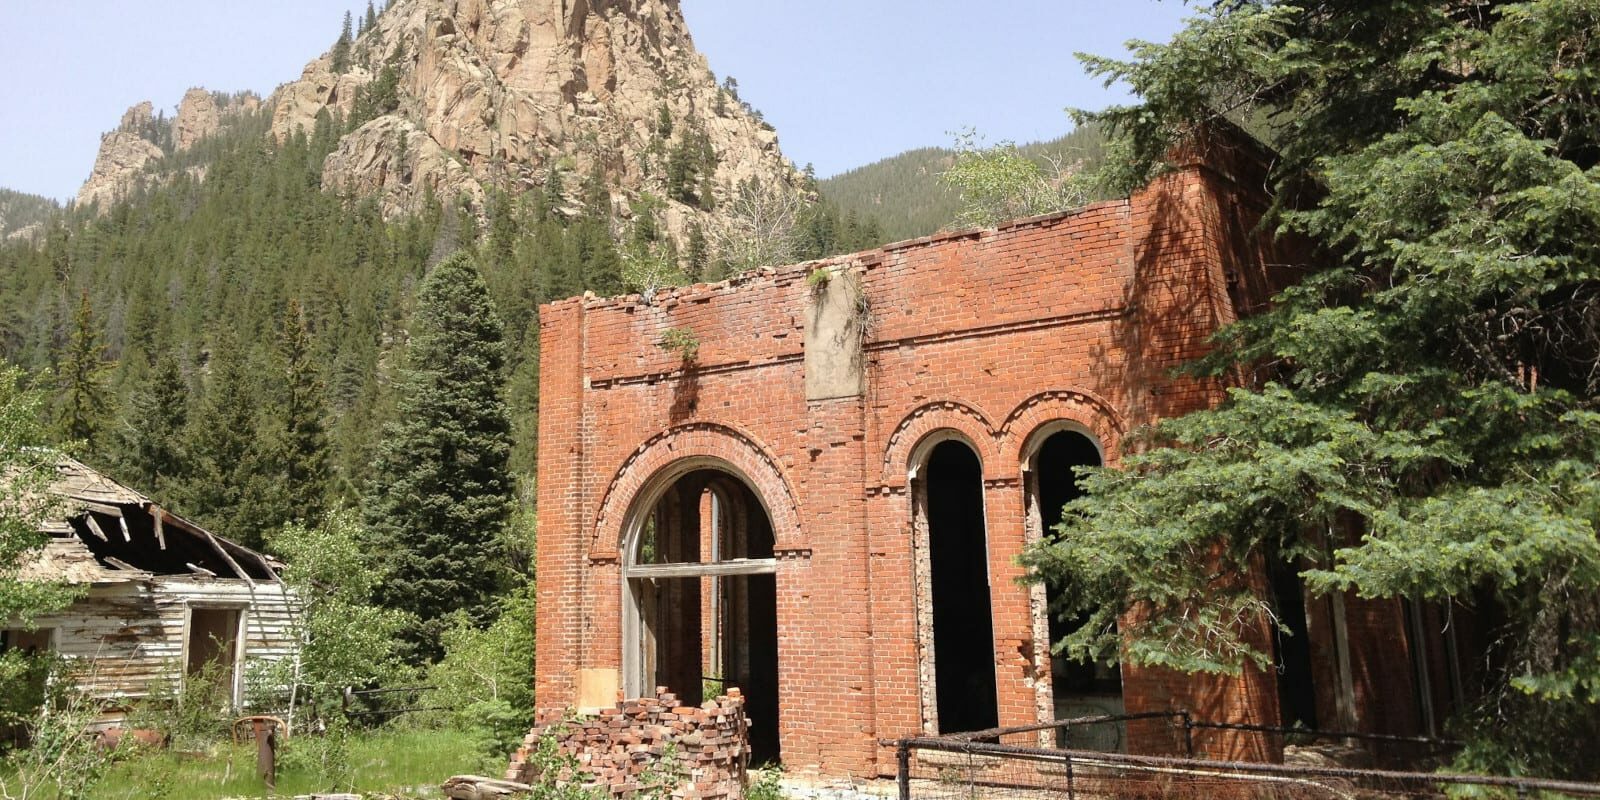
[(949, 504), (702, 582), (1078, 688)]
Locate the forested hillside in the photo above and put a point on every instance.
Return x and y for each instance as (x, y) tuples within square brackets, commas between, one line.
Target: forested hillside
[(160, 325), (19, 210), (904, 195)]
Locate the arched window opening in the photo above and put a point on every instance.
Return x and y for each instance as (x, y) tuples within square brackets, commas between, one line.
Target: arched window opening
[(949, 498), (1078, 688), (702, 584)]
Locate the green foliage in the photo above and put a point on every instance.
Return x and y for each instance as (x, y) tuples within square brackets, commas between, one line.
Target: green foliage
[(906, 197), (27, 467), (60, 762), (999, 183), (341, 47), (1422, 420), (192, 712), (347, 638), (294, 444), (82, 407), (682, 341), (443, 491), (486, 675), (768, 785), (147, 445)]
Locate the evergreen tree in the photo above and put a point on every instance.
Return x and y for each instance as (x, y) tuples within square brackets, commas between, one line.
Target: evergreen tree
[(341, 47), (295, 442), (81, 377), (372, 16), (222, 490), (442, 490), (149, 445), (1418, 417)]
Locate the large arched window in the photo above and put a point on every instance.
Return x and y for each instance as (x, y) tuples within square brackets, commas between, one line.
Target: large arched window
[(1078, 688), (701, 595), (956, 629)]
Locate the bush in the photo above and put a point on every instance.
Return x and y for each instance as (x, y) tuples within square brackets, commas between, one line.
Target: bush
[(486, 677)]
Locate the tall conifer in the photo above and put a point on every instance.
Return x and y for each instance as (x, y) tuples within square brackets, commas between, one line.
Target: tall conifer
[(82, 378), (442, 490)]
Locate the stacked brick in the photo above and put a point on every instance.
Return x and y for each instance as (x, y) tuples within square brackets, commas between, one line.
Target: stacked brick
[(621, 749)]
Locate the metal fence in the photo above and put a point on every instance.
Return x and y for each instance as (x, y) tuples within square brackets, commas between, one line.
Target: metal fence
[(1056, 760)]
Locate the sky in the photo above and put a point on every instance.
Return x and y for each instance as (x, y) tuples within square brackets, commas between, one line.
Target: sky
[(845, 82)]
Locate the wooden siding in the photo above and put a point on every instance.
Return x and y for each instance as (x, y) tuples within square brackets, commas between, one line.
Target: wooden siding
[(129, 636)]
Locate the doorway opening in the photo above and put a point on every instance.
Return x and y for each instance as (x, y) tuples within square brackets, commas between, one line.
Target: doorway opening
[(950, 499), (702, 586), (1078, 688), (212, 651)]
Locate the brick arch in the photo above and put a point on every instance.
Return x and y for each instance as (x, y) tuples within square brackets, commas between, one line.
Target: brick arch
[(929, 418), (1093, 414), (719, 446)]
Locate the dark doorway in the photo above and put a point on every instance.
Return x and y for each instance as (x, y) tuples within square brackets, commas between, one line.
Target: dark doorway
[(1297, 693), (963, 629), (1079, 688), (213, 650), (706, 628)]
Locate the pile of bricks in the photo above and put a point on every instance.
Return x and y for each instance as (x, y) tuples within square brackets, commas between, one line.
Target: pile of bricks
[(710, 745)]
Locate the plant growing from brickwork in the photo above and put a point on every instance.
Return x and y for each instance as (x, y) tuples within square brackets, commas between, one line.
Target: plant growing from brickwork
[(1420, 417), (682, 341)]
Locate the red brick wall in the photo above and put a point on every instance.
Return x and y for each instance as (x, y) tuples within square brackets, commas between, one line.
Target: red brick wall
[(992, 334)]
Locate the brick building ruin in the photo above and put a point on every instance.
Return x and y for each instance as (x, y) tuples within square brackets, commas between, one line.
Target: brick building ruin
[(812, 483)]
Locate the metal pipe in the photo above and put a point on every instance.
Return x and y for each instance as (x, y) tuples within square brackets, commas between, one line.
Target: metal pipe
[(902, 775)]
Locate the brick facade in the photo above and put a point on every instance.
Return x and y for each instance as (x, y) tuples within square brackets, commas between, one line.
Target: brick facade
[(993, 338)]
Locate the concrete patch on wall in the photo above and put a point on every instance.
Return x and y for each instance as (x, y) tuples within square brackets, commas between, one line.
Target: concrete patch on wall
[(834, 327)]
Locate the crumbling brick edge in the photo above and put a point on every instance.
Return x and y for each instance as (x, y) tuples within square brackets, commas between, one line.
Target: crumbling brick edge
[(710, 743)]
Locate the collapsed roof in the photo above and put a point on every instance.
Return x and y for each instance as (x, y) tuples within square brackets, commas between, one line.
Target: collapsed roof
[(104, 532)]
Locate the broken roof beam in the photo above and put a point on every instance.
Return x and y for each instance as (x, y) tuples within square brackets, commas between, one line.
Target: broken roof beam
[(223, 551), (94, 527), (199, 570), (161, 535)]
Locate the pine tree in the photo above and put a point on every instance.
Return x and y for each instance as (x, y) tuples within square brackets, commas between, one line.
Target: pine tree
[(149, 445), (442, 490), (221, 489), (341, 47), (81, 376), (372, 16), (295, 442)]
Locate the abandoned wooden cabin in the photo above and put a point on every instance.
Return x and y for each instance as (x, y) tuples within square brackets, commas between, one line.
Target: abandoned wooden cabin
[(164, 599)]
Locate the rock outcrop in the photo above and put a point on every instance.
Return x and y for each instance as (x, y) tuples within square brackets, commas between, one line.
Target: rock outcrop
[(125, 155), (466, 96), (496, 92)]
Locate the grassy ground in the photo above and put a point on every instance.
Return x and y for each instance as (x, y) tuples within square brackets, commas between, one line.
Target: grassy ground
[(405, 763)]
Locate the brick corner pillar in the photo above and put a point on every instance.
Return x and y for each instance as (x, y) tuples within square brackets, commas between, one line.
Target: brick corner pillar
[(561, 547)]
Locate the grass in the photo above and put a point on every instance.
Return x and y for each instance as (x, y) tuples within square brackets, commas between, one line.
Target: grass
[(405, 763)]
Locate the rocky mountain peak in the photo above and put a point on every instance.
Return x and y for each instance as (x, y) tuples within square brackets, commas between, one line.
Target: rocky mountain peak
[(464, 95), (455, 98)]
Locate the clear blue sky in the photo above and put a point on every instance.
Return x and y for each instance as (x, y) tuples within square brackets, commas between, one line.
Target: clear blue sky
[(845, 82)]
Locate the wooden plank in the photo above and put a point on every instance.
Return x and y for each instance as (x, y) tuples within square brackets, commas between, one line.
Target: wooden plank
[(161, 536), (742, 566), (120, 564), (199, 569), (94, 527), (222, 551), (122, 523)]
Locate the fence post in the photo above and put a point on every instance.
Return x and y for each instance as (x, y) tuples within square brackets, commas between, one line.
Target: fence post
[(902, 775), (1188, 734), (1072, 792)]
